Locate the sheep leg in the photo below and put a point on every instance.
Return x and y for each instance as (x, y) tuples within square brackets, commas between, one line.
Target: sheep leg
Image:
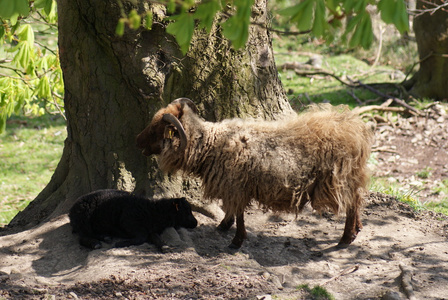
[(227, 222), (353, 226), (156, 239), (240, 234)]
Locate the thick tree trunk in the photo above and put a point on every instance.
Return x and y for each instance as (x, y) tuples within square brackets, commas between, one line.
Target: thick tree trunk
[(431, 32), (114, 85)]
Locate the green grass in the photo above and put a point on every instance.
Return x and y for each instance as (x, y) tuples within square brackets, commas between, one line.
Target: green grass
[(425, 173), (317, 292), (393, 189), (411, 196), (30, 150)]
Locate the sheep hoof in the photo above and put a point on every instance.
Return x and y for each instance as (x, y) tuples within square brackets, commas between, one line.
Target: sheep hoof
[(233, 246), (342, 245)]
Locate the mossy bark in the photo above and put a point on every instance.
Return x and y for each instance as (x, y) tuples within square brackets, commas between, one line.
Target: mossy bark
[(113, 86)]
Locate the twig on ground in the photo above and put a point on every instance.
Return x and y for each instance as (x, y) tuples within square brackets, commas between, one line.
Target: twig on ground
[(364, 109), (383, 149), (318, 72), (342, 273), (395, 99), (354, 97), (406, 282)]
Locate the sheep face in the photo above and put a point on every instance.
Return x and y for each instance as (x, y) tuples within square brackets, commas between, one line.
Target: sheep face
[(151, 138), (165, 126), (183, 216)]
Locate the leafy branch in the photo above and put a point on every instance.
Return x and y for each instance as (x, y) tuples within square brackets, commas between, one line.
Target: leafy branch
[(31, 74)]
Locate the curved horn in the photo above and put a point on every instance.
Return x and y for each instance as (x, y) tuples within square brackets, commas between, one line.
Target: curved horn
[(176, 123), (187, 101)]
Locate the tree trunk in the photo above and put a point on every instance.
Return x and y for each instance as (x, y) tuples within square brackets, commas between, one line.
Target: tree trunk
[(113, 86), (431, 33)]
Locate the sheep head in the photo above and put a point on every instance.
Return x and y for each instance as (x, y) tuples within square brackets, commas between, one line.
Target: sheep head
[(165, 125)]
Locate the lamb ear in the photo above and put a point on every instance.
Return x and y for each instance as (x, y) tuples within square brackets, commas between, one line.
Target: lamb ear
[(183, 101), (170, 118)]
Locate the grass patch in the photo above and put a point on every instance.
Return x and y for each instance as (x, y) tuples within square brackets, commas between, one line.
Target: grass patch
[(317, 292), (425, 173), (439, 207), (411, 196), (30, 150)]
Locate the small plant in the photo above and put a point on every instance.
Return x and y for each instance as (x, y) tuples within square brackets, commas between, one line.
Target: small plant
[(441, 188), (411, 197), (439, 207), (317, 292), (407, 196), (425, 173)]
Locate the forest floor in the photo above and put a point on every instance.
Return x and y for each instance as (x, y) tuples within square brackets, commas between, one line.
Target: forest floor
[(399, 254)]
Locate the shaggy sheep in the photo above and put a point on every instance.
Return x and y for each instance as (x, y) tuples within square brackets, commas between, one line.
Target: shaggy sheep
[(104, 214), (317, 157)]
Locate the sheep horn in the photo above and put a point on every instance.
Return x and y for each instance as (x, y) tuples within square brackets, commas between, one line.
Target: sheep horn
[(187, 101), (175, 122)]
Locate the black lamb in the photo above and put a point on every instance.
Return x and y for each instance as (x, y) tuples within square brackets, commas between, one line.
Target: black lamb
[(106, 214)]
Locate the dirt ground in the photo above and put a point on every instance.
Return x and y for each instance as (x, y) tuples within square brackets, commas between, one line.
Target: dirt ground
[(399, 254)]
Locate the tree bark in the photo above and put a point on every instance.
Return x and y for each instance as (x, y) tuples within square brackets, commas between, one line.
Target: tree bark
[(113, 86), (431, 33)]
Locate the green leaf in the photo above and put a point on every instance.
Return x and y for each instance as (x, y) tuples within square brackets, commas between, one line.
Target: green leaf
[(332, 5), (22, 7), (7, 9), (171, 6), (353, 23), (401, 19), (320, 22), (236, 28), (363, 33), (23, 55), (148, 20), (134, 19), (26, 34), (387, 8), (304, 22), (119, 30), (367, 32), (3, 118), (394, 12), (43, 88), (13, 8), (182, 28), (2, 33), (206, 12)]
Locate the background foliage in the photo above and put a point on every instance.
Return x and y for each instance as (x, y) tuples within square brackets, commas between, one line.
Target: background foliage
[(30, 75)]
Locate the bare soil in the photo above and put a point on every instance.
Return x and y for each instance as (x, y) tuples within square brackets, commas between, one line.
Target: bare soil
[(399, 254)]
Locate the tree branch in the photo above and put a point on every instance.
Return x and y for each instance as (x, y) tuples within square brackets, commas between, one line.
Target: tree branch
[(379, 93)]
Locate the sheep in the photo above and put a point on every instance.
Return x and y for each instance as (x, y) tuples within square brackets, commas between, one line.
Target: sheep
[(104, 214), (317, 157)]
